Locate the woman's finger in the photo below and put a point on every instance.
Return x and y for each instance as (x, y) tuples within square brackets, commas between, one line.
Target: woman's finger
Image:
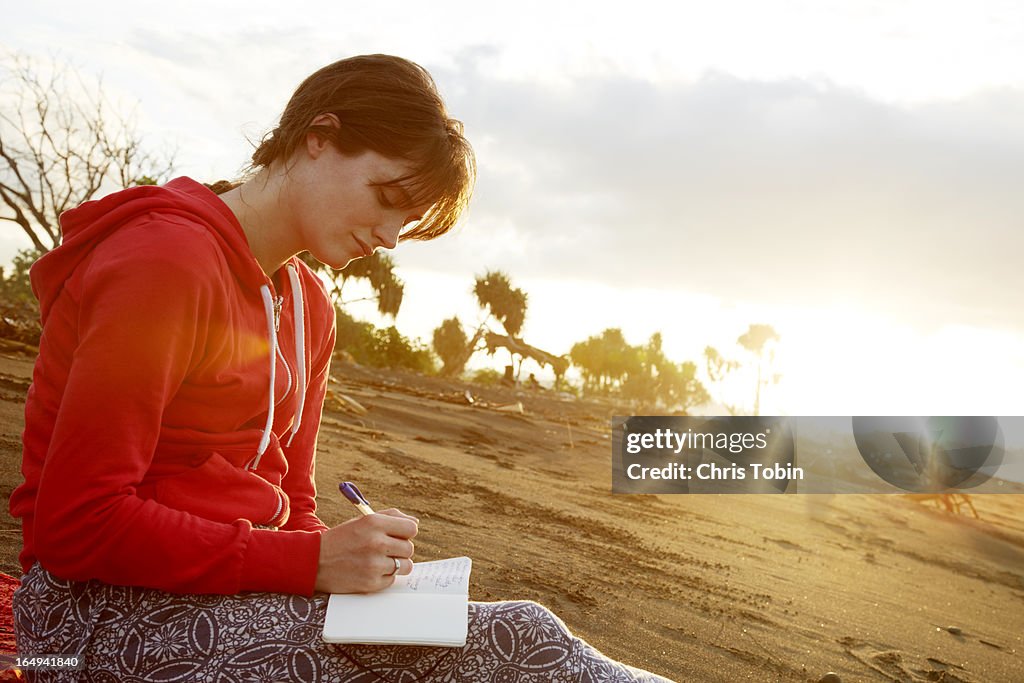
[(396, 526), (402, 567), (395, 512), (400, 549)]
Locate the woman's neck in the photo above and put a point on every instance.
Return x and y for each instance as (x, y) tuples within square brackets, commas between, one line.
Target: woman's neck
[(258, 206)]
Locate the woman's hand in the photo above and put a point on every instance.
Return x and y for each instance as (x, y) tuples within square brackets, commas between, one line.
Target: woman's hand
[(356, 557)]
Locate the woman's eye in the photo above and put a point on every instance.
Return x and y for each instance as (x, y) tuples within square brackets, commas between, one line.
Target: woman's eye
[(383, 199)]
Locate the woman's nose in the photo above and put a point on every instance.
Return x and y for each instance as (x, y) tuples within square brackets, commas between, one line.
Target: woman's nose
[(387, 235)]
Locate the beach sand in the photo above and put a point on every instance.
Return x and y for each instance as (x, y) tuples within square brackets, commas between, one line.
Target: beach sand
[(696, 588)]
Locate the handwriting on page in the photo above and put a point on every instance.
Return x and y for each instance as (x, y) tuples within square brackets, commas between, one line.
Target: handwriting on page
[(442, 576)]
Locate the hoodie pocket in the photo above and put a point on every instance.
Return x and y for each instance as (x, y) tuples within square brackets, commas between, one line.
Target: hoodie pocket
[(223, 492)]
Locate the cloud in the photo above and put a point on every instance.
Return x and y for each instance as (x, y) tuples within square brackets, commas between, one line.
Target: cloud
[(794, 191)]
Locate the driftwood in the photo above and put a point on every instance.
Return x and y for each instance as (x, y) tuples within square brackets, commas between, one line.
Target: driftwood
[(340, 401), (559, 364)]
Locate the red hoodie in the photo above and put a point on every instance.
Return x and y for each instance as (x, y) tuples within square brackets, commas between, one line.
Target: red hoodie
[(153, 442)]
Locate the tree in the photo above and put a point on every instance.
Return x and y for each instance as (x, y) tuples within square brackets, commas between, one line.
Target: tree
[(605, 360), (495, 294), (584, 355), (620, 359), (677, 386), (450, 345), (639, 373), (756, 340), (657, 380), (61, 143), (717, 368)]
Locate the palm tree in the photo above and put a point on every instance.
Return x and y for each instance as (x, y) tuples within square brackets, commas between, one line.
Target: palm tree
[(755, 339), (495, 294), (606, 358), (678, 386), (717, 368)]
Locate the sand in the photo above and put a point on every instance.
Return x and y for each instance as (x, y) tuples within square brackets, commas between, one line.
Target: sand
[(696, 588)]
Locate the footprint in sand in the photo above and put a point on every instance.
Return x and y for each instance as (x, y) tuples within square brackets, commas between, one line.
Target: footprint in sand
[(897, 665)]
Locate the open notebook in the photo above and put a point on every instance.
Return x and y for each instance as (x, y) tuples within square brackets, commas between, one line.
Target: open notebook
[(430, 606)]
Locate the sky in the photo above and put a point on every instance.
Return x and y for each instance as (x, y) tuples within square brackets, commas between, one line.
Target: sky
[(847, 172)]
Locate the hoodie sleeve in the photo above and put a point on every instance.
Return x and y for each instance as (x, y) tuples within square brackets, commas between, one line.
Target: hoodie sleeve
[(299, 483), (141, 325)]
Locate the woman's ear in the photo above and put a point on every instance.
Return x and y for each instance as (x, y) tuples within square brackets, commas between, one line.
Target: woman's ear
[(316, 143)]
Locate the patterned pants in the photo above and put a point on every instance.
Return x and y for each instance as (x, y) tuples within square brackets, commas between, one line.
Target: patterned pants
[(129, 635)]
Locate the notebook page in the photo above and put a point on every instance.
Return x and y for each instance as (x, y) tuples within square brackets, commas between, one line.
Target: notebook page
[(444, 577)]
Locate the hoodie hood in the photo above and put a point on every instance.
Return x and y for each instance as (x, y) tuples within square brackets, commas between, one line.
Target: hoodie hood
[(83, 228), (86, 226)]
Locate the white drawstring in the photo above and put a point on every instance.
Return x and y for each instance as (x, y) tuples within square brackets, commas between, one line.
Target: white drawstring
[(300, 348), (268, 307), (300, 361)]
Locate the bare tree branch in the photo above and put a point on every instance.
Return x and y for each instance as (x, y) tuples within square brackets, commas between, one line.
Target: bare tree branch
[(20, 218), (62, 142)]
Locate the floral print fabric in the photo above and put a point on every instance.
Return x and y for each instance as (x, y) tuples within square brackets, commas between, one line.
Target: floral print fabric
[(130, 634)]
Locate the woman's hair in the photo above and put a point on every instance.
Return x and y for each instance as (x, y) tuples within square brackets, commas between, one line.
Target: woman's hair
[(391, 106)]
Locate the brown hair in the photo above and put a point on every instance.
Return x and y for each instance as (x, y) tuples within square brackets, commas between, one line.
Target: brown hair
[(391, 106)]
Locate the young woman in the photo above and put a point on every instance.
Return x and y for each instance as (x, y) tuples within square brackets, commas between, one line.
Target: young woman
[(168, 509)]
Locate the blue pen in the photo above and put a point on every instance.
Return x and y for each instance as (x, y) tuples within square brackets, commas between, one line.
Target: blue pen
[(355, 496)]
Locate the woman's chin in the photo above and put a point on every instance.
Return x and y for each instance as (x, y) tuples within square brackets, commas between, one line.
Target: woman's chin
[(337, 262)]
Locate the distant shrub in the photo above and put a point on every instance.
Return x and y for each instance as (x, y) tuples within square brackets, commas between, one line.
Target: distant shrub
[(396, 351), (487, 376), (19, 310), (382, 347)]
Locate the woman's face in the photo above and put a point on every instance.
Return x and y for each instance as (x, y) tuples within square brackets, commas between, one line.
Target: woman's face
[(339, 210)]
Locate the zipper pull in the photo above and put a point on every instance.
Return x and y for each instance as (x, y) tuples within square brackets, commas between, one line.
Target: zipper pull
[(278, 302)]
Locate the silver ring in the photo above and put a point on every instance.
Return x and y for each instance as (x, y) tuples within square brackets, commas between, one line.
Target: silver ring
[(398, 565)]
